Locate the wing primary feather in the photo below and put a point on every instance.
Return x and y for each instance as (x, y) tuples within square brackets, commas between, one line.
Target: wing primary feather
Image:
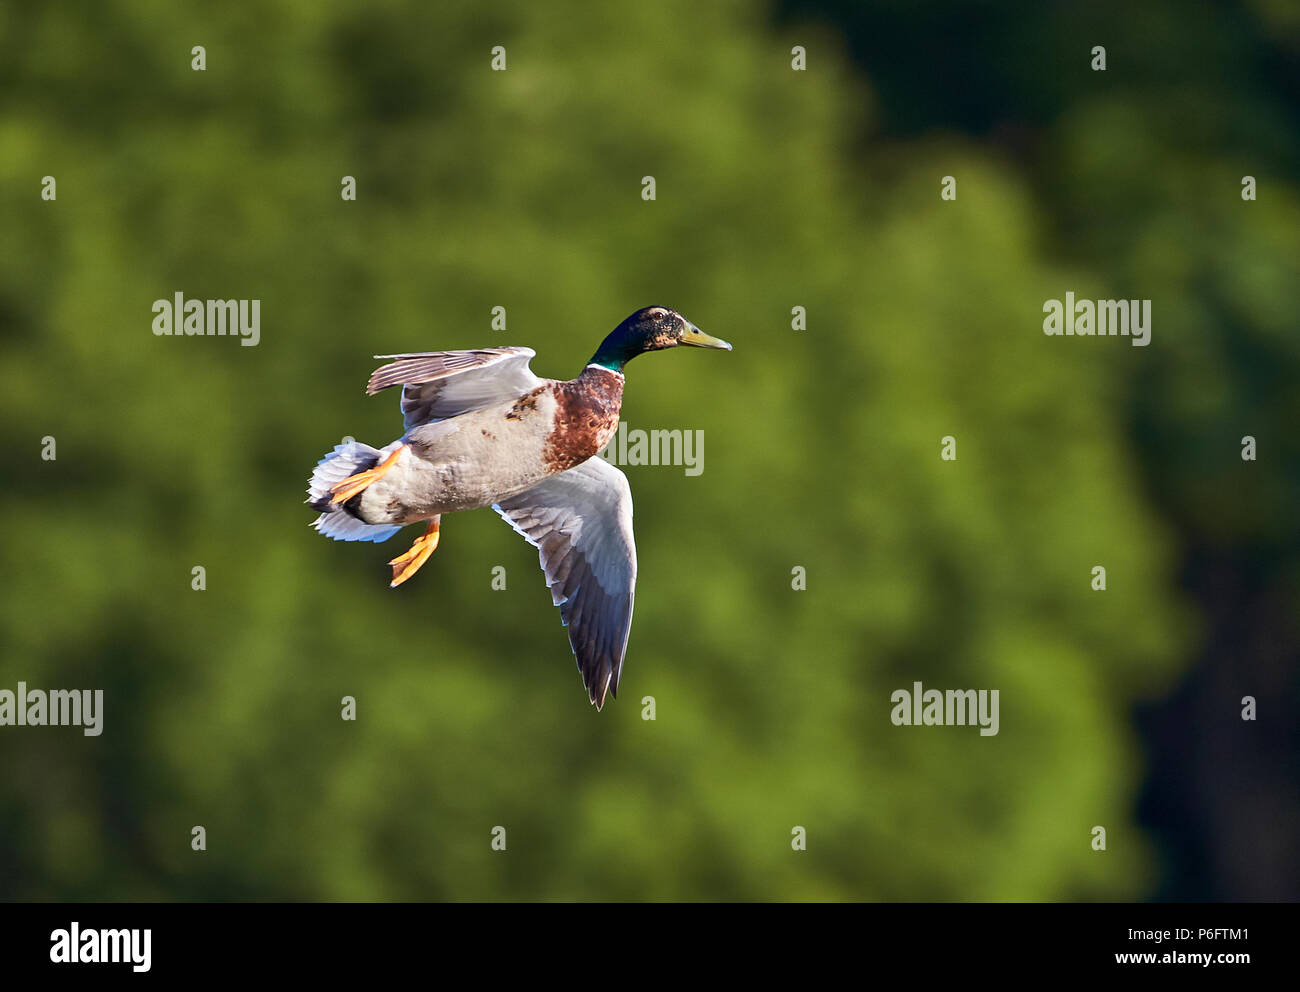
[(580, 521), (437, 385)]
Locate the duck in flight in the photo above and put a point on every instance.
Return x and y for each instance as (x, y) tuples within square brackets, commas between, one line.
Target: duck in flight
[(483, 430)]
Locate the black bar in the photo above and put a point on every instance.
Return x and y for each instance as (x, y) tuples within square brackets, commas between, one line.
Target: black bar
[(335, 941)]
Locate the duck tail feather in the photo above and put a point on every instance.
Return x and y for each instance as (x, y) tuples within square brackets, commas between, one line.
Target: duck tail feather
[(346, 527), (337, 520)]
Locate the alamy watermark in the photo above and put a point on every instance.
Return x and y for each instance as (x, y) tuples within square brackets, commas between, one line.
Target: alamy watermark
[(1099, 318), (77, 946), (656, 447), (919, 707), (53, 708), (196, 318)]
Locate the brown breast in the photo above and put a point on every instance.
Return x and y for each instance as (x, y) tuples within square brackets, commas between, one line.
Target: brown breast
[(586, 417)]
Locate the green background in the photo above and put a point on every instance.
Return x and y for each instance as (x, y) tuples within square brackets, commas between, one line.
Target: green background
[(775, 189)]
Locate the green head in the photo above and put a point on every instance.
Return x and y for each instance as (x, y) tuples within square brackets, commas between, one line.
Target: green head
[(650, 329)]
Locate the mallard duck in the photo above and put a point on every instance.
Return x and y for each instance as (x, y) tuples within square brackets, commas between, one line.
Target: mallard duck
[(483, 430)]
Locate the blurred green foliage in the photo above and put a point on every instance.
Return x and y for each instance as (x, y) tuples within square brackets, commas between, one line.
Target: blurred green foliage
[(1136, 175), (522, 189)]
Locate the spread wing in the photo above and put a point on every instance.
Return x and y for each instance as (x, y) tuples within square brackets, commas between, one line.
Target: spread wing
[(441, 384), (580, 521)]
